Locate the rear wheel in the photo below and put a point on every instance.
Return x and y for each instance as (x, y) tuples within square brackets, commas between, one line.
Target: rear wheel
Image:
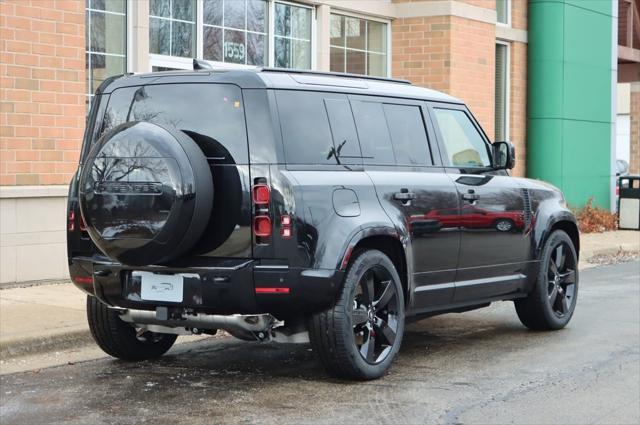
[(119, 339), (360, 336), (553, 300)]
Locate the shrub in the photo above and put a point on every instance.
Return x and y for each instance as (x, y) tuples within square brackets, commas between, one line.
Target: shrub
[(593, 219)]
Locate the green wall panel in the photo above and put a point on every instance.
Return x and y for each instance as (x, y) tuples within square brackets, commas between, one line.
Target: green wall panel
[(569, 125), (587, 93)]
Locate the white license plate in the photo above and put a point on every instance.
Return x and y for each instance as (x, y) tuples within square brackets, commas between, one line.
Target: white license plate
[(161, 287)]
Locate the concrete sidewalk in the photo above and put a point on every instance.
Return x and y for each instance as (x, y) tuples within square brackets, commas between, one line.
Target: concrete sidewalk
[(51, 317)]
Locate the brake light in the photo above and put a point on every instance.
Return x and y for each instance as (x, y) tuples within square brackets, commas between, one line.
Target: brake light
[(262, 226), (83, 226), (71, 220), (83, 280), (261, 194), (279, 290)]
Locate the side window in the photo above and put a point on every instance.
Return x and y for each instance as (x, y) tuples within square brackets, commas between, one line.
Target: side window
[(408, 134), (375, 140), (308, 136), (464, 146), (343, 129)]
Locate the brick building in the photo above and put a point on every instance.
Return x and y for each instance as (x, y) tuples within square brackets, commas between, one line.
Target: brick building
[(54, 53)]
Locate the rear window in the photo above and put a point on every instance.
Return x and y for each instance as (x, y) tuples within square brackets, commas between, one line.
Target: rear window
[(204, 111)]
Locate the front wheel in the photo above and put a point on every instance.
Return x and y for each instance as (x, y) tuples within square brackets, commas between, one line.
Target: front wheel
[(119, 339), (360, 336), (553, 300)]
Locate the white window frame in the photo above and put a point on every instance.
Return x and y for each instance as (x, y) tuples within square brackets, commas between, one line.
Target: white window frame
[(508, 23), (507, 96), (187, 63), (128, 48), (340, 12)]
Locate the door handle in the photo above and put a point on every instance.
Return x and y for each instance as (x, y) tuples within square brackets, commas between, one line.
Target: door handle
[(404, 195), (470, 196)]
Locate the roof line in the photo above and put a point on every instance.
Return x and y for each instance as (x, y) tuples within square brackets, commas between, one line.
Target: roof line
[(335, 74)]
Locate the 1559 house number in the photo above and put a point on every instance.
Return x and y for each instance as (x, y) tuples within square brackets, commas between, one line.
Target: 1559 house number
[(234, 51)]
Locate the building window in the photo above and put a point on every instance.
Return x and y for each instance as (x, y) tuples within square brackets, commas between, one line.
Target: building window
[(292, 38), (502, 92), (235, 31), (358, 46), (503, 11), (106, 41), (172, 27)]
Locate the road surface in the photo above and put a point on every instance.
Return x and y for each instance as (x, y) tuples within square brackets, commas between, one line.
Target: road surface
[(475, 367)]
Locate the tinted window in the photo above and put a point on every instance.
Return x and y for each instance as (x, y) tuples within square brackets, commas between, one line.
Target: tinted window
[(463, 144), (375, 140), (212, 114), (409, 137), (308, 137), (343, 129)]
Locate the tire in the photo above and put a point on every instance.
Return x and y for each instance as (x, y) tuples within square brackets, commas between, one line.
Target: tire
[(552, 302), (118, 338), (360, 336)]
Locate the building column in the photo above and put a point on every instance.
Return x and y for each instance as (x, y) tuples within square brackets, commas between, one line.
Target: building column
[(634, 142), (139, 36), (323, 37)]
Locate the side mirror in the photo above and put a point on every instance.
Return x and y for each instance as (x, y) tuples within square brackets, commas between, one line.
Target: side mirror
[(504, 155)]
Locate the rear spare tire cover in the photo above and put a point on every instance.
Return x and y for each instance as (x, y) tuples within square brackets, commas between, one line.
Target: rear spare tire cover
[(146, 193)]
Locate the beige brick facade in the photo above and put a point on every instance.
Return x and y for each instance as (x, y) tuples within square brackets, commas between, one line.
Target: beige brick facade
[(42, 114)]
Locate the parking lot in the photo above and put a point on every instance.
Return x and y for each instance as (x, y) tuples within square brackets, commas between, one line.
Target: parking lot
[(477, 367)]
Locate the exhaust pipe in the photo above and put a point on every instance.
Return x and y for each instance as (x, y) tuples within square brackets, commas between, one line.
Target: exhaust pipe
[(248, 327)]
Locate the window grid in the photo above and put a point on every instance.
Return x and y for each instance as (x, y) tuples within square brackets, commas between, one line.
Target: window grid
[(89, 52), (171, 21), (246, 31), (162, 60), (366, 50), (291, 37)]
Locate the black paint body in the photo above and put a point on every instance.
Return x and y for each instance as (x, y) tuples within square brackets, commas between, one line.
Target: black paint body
[(460, 237)]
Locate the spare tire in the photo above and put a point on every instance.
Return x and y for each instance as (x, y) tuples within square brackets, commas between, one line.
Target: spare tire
[(146, 193)]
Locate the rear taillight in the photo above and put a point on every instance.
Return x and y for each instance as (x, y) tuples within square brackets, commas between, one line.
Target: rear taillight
[(71, 221), (262, 226), (83, 226), (285, 226), (261, 194)]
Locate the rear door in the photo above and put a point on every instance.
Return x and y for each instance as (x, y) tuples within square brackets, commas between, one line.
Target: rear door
[(494, 239), (412, 188)]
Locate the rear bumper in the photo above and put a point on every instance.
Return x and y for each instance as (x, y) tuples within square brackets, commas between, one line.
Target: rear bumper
[(231, 286)]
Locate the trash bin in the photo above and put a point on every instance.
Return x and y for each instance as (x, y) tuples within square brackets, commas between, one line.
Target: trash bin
[(629, 202)]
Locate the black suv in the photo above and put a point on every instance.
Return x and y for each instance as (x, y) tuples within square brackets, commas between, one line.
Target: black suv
[(293, 206)]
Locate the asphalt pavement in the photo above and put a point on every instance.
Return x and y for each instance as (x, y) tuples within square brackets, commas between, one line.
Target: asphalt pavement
[(476, 367)]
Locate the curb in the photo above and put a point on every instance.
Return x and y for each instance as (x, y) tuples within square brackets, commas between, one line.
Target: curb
[(40, 345)]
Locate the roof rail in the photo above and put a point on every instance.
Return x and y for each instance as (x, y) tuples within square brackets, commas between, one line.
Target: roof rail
[(335, 74)]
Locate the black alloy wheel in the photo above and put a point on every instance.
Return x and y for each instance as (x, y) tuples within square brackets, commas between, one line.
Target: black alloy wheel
[(551, 303), (360, 335), (375, 315), (562, 279)]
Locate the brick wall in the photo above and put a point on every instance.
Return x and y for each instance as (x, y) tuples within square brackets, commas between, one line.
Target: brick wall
[(519, 14), (518, 105), (42, 113), (634, 164), (421, 51), (473, 68)]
